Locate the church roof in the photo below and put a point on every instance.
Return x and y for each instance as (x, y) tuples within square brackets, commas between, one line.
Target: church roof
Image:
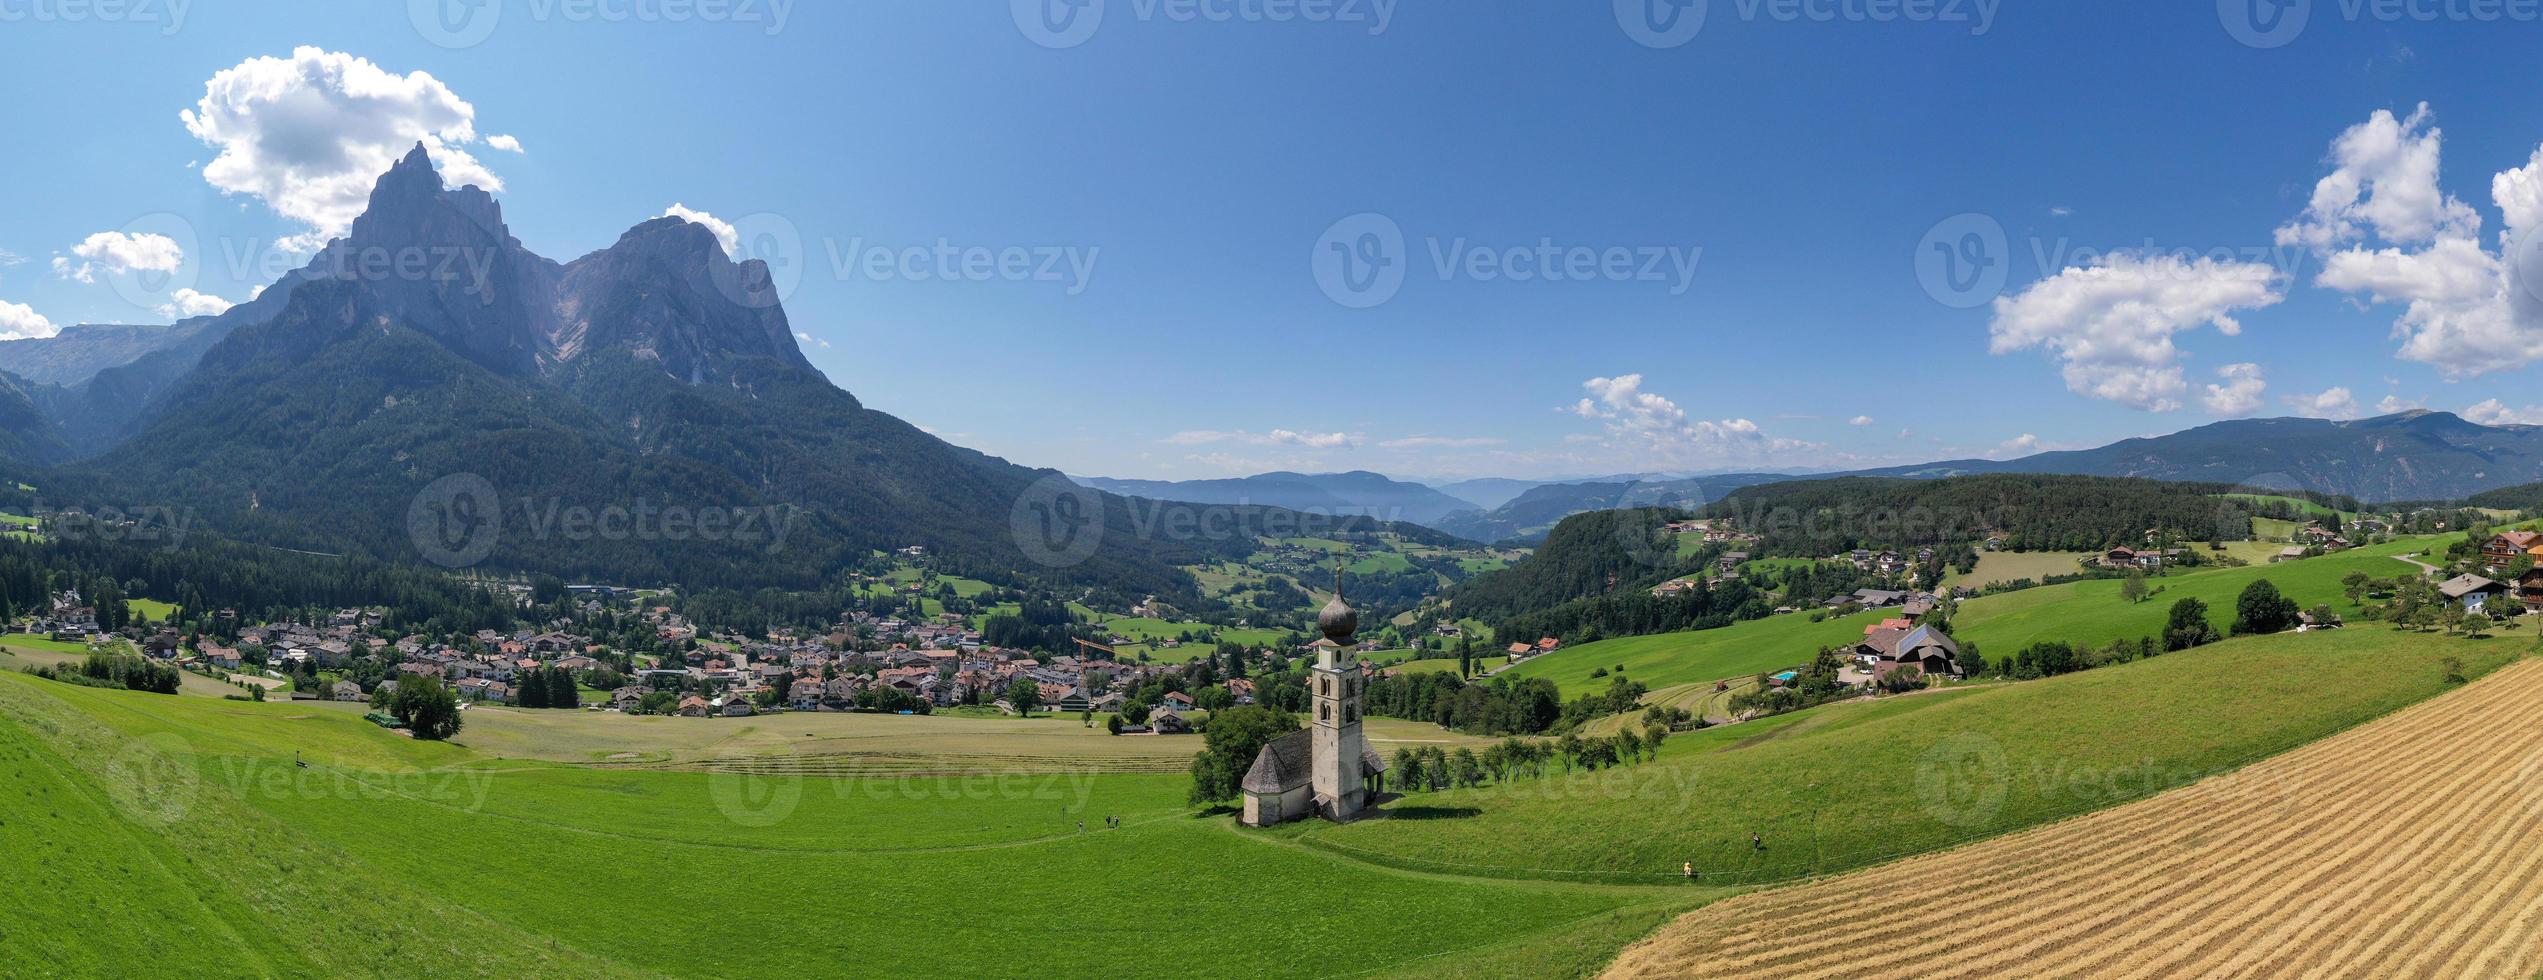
[(1283, 765)]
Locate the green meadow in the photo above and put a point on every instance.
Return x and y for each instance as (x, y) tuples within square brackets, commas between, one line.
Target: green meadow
[(185, 824), (2085, 613), (582, 844), (1848, 785)]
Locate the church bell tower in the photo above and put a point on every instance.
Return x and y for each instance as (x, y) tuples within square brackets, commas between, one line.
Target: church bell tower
[(1336, 686)]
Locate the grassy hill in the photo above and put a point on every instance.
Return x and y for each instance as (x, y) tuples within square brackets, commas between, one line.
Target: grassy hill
[(2088, 612), (530, 844), (183, 825), (1850, 785)]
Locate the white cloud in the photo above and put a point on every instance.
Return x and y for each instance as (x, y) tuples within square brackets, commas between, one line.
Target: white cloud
[(1441, 442), (2112, 322), (724, 233), (310, 134), (810, 339), (187, 303), (505, 142), (2383, 180), (19, 321), (1651, 427), (2240, 394), (115, 251), (2391, 404), (1276, 437), (9, 258), (2330, 403), (2060, 211), (2025, 444), (2496, 412), (2389, 234), (1859, 420)]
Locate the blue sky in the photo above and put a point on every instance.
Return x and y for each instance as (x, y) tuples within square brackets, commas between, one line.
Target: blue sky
[(1737, 220)]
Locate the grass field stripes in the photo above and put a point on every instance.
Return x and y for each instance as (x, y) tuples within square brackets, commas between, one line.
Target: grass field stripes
[(2405, 851)]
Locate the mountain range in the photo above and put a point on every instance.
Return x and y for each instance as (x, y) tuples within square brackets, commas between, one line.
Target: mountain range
[(1355, 493), (657, 374), (639, 414), (2409, 456)]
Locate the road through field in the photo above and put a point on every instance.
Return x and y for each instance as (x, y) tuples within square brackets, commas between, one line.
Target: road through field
[(2403, 847)]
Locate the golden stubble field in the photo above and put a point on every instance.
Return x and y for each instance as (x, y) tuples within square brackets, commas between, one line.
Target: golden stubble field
[(2405, 847), (854, 744)]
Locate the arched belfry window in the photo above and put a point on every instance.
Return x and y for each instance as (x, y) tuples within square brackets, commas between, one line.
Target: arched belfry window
[(1324, 712)]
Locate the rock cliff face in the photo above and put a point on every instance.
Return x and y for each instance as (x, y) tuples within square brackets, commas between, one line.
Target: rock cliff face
[(655, 373)]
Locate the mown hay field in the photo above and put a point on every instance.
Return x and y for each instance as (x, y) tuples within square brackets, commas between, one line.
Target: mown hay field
[(2400, 848)]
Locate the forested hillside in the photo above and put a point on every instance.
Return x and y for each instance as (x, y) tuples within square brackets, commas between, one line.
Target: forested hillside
[(2033, 512)]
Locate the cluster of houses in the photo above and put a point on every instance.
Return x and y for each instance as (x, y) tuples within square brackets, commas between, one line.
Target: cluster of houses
[(2146, 558), (2500, 554), (1901, 641), (1543, 646)]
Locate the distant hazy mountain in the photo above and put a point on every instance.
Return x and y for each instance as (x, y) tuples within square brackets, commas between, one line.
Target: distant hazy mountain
[(1530, 515), (1355, 493), (1490, 492), (2417, 455), (78, 353)]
